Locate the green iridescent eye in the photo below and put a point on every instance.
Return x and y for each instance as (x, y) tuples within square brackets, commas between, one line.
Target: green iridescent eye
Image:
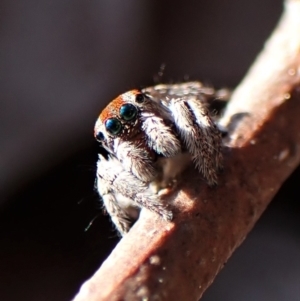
[(128, 112), (113, 126)]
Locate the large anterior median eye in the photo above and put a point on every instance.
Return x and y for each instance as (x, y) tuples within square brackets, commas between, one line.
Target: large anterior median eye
[(113, 126), (128, 112)]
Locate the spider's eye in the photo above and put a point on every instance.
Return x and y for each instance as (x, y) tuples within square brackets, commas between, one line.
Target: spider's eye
[(139, 98), (128, 111), (113, 126), (99, 136)]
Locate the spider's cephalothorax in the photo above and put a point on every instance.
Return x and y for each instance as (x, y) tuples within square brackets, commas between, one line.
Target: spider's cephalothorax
[(150, 135)]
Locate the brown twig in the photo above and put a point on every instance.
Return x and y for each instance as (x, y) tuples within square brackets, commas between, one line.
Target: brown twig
[(159, 260)]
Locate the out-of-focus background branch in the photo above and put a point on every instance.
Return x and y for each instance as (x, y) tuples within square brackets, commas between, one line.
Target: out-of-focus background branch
[(60, 63)]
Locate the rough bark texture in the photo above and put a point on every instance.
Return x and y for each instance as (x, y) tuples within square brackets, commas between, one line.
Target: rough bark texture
[(161, 260)]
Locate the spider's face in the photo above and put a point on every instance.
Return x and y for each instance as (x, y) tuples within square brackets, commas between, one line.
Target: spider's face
[(121, 118)]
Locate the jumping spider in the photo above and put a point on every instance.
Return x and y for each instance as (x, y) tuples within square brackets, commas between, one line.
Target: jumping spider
[(150, 136)]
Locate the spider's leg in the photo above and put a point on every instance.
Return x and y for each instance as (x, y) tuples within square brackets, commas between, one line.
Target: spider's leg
[(118, 214), (200, 135), (114, 180)]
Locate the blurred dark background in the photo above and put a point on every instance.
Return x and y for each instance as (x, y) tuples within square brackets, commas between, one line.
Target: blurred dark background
[(61, 62)]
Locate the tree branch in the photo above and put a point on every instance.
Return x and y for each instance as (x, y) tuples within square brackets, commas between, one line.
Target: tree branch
[(160, 260)]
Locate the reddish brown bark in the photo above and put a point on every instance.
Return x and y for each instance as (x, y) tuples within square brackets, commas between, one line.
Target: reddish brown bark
[(161, 260)]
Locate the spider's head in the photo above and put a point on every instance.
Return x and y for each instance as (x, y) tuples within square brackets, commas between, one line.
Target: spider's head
[(120, 118)]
